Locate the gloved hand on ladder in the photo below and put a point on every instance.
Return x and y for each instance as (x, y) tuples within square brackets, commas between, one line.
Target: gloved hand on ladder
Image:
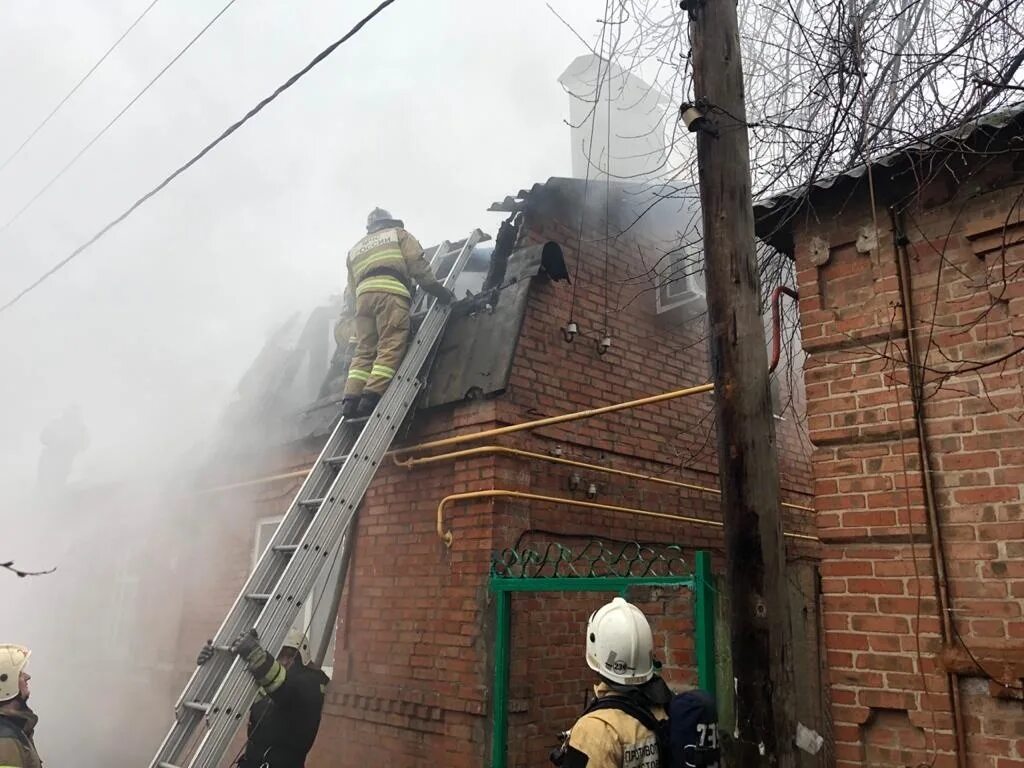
[(439, 292), (247, 645)]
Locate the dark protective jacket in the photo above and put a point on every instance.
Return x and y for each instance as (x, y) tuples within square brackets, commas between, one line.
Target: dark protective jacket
[(284, 722), (17, 750)]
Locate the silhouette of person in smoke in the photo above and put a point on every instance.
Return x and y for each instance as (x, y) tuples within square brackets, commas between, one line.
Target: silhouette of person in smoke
[(63, 439)]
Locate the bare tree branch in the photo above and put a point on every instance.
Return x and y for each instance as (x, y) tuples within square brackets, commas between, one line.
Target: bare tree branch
[(9, 566)]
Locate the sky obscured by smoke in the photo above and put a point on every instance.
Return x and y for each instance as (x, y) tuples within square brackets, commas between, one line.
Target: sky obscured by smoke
[(433, 111)]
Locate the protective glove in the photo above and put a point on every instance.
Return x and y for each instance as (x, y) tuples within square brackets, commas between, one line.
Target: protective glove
[(205, 654), (442, 294), (247, 645), (259, 662)]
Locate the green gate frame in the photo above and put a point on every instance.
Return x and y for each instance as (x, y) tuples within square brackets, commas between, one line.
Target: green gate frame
[(511, 573)]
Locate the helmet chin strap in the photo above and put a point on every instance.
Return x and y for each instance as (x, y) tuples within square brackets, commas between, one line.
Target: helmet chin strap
[(655, 690)]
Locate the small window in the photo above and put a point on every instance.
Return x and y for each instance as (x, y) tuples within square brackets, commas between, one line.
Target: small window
[(681, 281), (678, 281), (264, 532)]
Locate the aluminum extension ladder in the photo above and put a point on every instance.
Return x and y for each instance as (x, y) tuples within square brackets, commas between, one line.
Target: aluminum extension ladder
[(216, 700)]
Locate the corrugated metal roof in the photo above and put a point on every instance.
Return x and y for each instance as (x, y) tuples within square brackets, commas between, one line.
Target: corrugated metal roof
[(991, 123), (517, 202)]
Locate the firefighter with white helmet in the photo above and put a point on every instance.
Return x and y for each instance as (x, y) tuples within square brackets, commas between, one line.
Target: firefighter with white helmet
[(381, 270), (620, 649), (284, 720), (17, 720), (636, 721)]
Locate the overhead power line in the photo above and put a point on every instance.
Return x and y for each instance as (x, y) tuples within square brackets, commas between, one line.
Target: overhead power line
[(116, 117), (202, 153), (78, 85)]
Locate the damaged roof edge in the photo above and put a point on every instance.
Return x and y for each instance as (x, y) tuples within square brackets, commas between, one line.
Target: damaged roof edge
[(475, 356), (773, 214), (577, 186)]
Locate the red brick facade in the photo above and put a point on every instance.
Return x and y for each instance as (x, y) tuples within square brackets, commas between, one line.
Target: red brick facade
[(414, 650), (892, 702)]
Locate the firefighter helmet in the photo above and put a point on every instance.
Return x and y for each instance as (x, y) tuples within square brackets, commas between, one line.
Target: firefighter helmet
[(296, 639), (379, 219), (620, 646), (13, 659)]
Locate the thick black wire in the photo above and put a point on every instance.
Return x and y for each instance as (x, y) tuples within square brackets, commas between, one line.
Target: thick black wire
[(43, 190), (78, 85), (202, 153)]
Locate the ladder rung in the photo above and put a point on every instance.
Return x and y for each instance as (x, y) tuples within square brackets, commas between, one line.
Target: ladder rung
[(261, 597), (198, 706), (336, 459), (312, 502), (166, 765), (286, 548)]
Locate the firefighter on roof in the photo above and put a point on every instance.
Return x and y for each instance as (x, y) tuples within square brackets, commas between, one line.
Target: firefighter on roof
[(381, 269), (17, 720), (284, 720)]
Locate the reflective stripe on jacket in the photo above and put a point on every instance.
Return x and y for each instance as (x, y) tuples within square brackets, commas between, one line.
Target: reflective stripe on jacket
[(387, 262)]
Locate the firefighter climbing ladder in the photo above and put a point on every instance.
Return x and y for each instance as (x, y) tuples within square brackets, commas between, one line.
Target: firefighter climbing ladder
[(216, 699)]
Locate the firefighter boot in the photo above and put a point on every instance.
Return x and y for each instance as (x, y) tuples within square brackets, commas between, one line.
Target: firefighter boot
[(367, 403), (349, 407)]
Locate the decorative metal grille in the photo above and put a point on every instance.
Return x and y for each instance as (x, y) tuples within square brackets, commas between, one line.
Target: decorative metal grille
[(597, 558)]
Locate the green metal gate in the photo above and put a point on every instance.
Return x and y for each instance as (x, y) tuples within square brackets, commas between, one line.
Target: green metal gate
[(594, 569)]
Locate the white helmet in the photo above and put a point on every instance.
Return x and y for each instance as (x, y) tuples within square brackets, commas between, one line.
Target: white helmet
[(13, 659), (296, 639), (620, 646)]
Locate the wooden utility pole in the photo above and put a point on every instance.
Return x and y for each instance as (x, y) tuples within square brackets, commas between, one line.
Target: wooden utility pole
[(748, 466)]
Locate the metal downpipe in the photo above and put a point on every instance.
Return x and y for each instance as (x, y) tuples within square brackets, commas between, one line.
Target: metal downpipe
[(931, 506)]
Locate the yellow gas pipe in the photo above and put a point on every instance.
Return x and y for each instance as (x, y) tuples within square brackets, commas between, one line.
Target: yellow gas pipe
[(548, 421), (574, 416), (446, 536), (486, 449)]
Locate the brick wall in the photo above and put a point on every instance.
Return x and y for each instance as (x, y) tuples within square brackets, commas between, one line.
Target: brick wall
[(413, 675), (414, 647), (889, 684)]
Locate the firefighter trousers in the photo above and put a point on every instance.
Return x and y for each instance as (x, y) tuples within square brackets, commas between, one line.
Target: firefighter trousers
[(382, 336)]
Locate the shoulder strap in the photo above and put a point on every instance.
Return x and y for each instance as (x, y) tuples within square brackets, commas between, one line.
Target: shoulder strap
[(632, 708)]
